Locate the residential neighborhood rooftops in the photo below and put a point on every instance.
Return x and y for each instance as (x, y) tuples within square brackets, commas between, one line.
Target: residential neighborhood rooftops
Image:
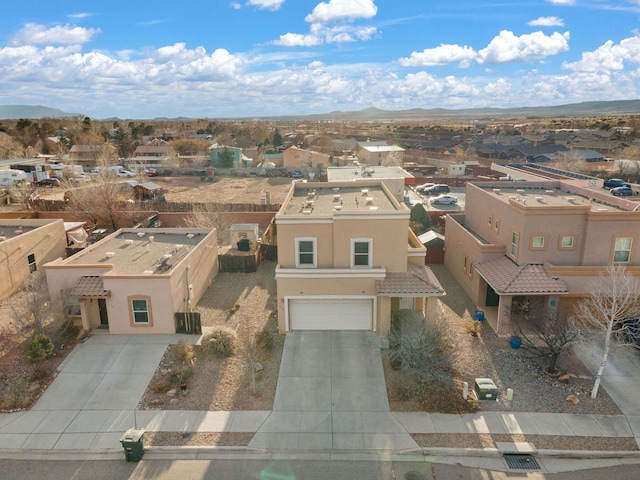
[(536, 196), (334, 198), (141, 251)]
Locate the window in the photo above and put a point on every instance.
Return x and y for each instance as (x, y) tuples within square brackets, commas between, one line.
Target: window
[(514, 244), (71, 303), (622, 250), (490, 221), (31, 259), (567, 242), (361, 253), (140, 309), (306, 253), (537, 242), (496, 225)]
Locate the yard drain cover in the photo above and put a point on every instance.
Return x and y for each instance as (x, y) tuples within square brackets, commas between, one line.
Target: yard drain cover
[(521, 462)]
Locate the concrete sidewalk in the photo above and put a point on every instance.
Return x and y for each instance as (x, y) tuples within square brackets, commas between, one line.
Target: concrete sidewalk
[(334, 403)]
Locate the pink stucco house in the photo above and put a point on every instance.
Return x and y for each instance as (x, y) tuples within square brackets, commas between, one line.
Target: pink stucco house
[(347, 259), (537, 245)]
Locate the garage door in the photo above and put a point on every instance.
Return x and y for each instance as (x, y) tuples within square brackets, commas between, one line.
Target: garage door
[(331, 314)]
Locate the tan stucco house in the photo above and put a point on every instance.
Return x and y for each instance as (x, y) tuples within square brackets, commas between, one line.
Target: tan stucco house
[(294, 157), (26, 245), (347, 259), (538, 246), (136, 280)]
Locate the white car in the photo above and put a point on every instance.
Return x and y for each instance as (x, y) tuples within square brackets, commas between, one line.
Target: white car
[(443, 200)]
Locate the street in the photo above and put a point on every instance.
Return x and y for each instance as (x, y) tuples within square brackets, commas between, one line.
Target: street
[(240, 469)]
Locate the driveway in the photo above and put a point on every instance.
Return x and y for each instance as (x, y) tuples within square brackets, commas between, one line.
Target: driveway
[(91, 401), (331, 395)]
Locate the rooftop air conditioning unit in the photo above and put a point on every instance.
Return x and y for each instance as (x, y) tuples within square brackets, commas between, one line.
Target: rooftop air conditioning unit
[(336, 198), (128, 241), (190, 235), (369, 200), (111, 254), (140, 234)]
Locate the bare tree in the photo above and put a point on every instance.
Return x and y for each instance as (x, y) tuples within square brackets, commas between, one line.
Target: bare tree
[(614, 300), (550, 340), (211, 215), (30, 306)]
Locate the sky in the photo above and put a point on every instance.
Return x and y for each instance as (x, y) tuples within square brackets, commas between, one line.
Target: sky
[(246, 58)]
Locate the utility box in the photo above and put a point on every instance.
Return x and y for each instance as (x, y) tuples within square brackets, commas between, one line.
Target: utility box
[(133, 444), (485, 389)]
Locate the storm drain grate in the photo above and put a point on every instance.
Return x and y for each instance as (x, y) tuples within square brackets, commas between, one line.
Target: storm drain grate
[(521, 462)]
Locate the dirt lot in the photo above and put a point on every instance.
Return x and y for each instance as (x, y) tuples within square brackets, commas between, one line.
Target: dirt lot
[(223, 189)]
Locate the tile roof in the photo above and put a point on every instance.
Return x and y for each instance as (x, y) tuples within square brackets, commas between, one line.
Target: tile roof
[(508, 278), (418, 280), (90, 286)]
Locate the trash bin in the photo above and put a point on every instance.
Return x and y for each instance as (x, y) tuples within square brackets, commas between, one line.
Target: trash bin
[(485, 389), (479, 315), (133, 444)]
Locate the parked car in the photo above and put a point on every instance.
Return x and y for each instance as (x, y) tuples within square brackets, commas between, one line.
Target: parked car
[(48, 182), (625, 191), (421, 188), (443, 200), (151, 172), (81, 178), (615, 182), (436, 189), (297, 174)]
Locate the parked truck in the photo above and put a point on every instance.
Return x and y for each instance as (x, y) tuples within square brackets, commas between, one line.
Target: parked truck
[(12, 177)]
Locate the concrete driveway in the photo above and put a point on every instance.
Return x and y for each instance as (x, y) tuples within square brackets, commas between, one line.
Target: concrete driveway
[(331, 395)]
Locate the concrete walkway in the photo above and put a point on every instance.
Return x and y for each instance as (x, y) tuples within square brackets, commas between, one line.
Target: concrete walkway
[(333, 401)]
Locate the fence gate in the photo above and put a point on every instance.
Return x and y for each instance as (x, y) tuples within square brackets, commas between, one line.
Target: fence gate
[(188, 322)]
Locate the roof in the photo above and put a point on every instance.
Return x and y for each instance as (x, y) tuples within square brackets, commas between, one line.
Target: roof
[(366, 173), (382, 148), (417, 281), (430, 236), (90, 286), (508, 278)]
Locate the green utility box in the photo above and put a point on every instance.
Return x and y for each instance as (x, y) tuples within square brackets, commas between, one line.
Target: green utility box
[(133, 444), (485, 389)]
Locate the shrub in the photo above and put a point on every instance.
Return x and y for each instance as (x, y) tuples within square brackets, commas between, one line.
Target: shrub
[(180, 375), (222, 341), (264, 340), (473, 327), (163, 386), (16, 395), (41, 371), (39, 348), (185, 352)]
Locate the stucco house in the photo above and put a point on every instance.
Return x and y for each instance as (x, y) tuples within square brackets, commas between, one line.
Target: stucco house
[(294, 157), (136, 280), (347, 259), (379, 153), (26, 245), (394, 178), (537, 246)]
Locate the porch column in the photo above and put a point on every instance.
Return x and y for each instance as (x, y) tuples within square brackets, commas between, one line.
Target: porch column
[(384, 316), (431, 309), (84, 314), (503, 323)]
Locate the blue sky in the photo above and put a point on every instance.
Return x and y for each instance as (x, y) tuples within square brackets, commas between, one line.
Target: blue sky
[(218, 58)]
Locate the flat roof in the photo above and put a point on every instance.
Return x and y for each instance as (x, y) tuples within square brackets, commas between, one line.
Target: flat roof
[(140, 251), (324, 199), (364, 172), (11, 228), (537, 197)]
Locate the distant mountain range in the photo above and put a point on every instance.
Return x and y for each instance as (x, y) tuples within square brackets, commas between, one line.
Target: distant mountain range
[(585, 109)]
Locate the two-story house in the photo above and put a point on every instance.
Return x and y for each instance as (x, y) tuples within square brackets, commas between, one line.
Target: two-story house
[(347, 259), (538, 246), (294, 157)]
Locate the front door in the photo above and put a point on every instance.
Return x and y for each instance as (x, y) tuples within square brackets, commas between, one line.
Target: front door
[(102, 306)]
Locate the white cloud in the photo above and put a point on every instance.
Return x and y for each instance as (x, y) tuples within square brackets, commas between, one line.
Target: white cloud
[(236, 5), (34, 34), (341, 9), (320, 34), (267, 4), (609, 57), (506, 47), (546, 22), (562, 2), (297, 40), (441, 55), (81, 15)]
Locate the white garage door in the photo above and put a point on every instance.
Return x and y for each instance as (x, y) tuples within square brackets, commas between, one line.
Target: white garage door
[(331, 314)]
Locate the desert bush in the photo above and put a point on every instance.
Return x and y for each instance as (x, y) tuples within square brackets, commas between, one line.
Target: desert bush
[(222, 341), (162, 386), (17, 394), (180, 375), (264, 340), (473, 327), (420, 350), (41, 371), (40, 347), (185, 352)]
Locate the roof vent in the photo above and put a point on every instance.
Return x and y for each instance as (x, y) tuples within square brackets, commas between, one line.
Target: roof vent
[(336, 189), (373, 208), (140, 234), (365, 192), (520, 190), (178, 246), (128, 241), (306, 212), (540, 199), (513, 197), (190, 235), (550, 192), (151, 238), (369, 200), (148, 272), (336, 198), (308, 203), (110, 254), (337, 207), (571, 199), (496, 190)]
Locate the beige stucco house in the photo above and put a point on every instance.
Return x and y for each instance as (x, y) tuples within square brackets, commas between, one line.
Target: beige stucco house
[(135, 280), (539, 246), (294, 157), (394, 178), (347, 259), (379, 154), (25, 245)]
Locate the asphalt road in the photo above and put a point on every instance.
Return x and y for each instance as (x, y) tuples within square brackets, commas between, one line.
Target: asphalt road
[(282, 470)]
